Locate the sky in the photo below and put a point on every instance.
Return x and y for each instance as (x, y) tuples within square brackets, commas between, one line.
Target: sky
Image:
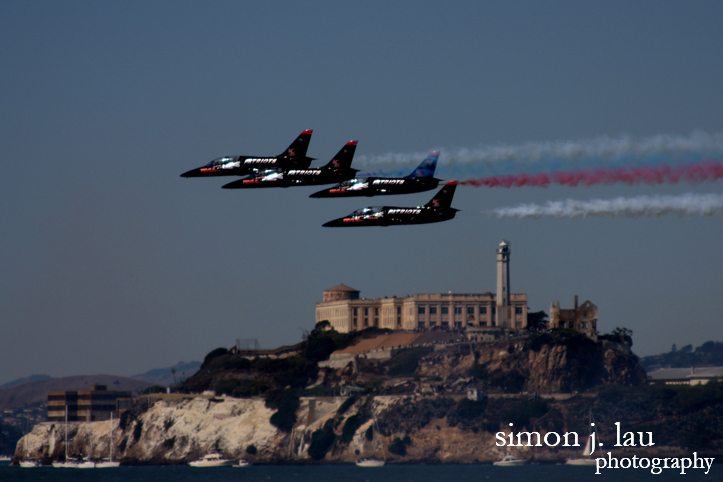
[(113, 263)]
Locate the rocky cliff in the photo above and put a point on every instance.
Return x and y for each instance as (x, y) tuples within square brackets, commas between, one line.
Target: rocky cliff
[(413, 407)]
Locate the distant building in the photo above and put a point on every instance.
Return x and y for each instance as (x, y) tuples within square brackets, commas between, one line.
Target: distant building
[(347, 312), (582, 319), (85, 405), (686, 376)]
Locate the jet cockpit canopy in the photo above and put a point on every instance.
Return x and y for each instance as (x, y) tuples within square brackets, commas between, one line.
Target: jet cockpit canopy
[(370, 212)]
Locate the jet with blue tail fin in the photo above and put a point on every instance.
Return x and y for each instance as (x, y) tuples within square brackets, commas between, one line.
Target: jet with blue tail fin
[(438, 209), (420, 180)]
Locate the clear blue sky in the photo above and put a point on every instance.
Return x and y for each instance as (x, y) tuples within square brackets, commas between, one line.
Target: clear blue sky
[(112, 263)]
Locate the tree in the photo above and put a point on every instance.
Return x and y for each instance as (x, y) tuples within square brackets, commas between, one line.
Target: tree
[(537, 321)]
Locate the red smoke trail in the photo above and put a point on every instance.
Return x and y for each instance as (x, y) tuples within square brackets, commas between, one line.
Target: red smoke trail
[(662, 174)]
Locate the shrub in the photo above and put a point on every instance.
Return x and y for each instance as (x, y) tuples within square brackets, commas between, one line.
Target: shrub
[(351, 425), (399, 446), (213, 354), (322, 440), (286, 403)]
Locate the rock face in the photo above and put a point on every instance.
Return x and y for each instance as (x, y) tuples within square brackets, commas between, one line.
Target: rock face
[(542, 364), (176, 432), (424, 417)]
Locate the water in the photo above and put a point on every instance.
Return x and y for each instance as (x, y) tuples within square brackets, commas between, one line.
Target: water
[(352, 473)]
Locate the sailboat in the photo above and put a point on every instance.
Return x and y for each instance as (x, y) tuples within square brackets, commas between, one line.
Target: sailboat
[(87, 463), (372, 461), (109, 464), (66, 463), (586, 458)]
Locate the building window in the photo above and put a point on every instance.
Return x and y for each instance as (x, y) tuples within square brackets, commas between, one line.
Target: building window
[(518, 310), (458, 324), (399, 310), (366, 321), (354, 322), (421, 325), (494, 310), (482, 310), (457, 310), (420, 310), (399, 321), (445, 310), (376, 321), (432, 310), (482, 323), (376, 311), (355, 313), (366, 311), (432, 324), (445, 325)]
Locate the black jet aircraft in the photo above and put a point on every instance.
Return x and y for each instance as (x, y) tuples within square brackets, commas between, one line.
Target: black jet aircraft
[(421, 179), (338, 169), (436, 210), (294, 157)]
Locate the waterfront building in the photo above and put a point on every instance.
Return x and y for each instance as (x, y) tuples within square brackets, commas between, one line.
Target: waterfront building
[(85, 405)]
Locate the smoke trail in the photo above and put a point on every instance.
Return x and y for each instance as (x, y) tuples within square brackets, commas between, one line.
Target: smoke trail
[(661, 174), (642, 206), (559, 155)]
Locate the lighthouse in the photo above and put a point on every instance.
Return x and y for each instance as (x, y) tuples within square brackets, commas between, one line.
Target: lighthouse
[(503, 285)]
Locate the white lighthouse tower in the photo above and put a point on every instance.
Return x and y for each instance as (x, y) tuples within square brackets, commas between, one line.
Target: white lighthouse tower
[(503, 285)]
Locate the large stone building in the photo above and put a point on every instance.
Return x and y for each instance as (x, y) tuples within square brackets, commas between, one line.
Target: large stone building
[(98, 403), (346, 311), (582, 318)]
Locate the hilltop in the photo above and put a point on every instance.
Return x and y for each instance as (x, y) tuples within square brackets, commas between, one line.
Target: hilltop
[(37, 392), (709, 353)]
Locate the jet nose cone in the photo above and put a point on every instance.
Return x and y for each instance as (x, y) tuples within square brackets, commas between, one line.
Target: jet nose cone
[(324, 193), (334, 223), (232, 185), (192, 173)]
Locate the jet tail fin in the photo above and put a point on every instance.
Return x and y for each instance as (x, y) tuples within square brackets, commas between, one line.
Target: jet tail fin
[(298, 148), (427, 167), (443, 199), (343, 158)]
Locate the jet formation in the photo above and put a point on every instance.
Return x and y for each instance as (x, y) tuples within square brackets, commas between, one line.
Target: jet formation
[(292, 168)]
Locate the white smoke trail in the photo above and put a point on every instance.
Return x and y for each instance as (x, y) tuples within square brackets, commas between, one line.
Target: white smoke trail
[(603, 148), (688, 204)]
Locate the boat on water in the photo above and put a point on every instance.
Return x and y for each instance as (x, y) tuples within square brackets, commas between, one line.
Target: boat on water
[(30, 463), (509, 460), (109, 463), (587, 458), (371, 462), (66, 463), (85, 464), (211, 460), (242, 463)]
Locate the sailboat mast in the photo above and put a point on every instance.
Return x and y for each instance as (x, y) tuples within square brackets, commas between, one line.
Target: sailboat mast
[(66, 433)]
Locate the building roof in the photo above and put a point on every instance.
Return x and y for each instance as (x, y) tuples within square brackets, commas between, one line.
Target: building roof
[(342, 287)]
